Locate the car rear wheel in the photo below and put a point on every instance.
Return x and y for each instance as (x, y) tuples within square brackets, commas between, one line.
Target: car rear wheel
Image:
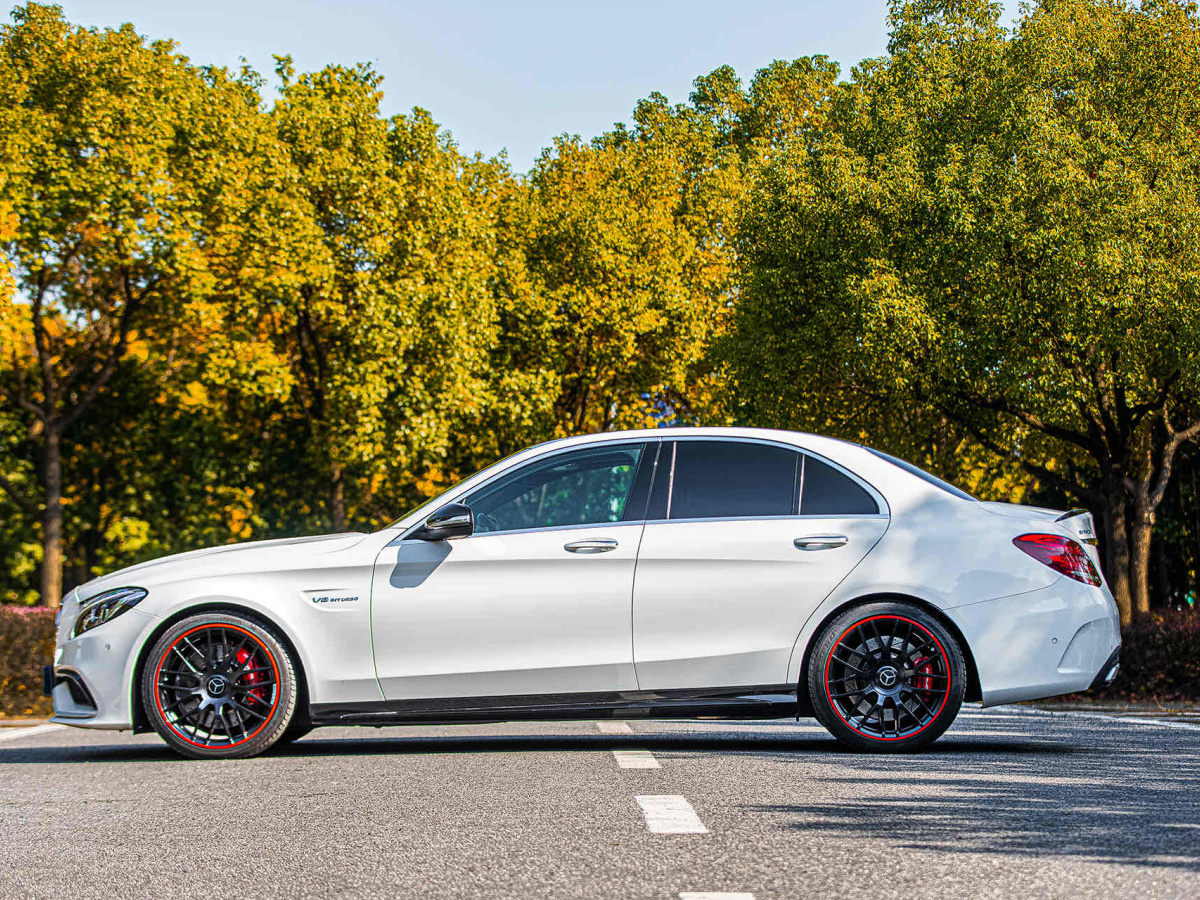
[(886, 677), (219, 686)]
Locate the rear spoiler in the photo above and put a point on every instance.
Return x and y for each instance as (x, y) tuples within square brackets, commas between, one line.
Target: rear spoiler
[(1080, 523)]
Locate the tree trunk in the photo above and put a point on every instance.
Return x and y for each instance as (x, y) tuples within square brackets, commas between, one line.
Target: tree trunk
[(1117, 554), (1139, 564), (1196, 537), (1160, 569), (52, 521), (337, 498)]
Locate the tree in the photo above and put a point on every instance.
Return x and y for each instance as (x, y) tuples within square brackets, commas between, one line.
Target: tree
[(1000, 230), (615, 273), (384, 324), (111, 158)]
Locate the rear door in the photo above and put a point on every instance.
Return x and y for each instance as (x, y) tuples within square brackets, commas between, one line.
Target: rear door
[(743, 540)]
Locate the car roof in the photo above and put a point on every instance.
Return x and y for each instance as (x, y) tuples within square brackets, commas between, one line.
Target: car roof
[(797, 438)]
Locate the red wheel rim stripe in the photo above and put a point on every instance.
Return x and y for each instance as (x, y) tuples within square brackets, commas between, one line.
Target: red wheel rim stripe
[(158, 700), (945, 697)]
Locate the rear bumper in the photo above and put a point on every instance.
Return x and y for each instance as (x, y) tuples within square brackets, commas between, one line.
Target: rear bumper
[(1060, 639), (1108, 671)]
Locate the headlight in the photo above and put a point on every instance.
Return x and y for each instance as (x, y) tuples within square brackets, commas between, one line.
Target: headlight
[(109, 605)]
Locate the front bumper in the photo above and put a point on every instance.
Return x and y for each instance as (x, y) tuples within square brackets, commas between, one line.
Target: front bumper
[(72, 699), (92, 676)]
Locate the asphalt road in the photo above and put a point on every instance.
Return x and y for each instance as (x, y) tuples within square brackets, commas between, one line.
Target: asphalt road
[(1010, 803)]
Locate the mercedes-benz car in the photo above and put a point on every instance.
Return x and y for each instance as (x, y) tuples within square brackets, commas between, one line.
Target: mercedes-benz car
[(715, 572)]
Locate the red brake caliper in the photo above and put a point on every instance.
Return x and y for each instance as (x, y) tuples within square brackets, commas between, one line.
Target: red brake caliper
[(924, 667), (252, 677)]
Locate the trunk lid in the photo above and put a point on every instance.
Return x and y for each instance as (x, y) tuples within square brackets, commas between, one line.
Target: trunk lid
[(1077, 522)]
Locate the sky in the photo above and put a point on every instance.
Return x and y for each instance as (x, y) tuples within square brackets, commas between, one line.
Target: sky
[(510, 76)]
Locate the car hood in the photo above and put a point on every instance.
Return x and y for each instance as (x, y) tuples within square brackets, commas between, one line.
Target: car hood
[(223, 560)]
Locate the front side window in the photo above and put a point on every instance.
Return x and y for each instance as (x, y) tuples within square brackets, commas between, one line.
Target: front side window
[(589, 486), (726, 479)]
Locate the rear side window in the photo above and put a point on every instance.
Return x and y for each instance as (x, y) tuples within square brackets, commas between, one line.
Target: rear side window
[(723, 479), (827, 492)]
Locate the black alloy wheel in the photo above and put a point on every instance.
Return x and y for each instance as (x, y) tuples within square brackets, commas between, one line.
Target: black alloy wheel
[(886, 677), (219, 686)]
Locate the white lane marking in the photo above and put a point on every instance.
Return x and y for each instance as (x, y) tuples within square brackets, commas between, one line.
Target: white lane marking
[(614, 728), (991, 715), (28, 732), (636, 759), (670, 814), (714, 895), (1131, 720)]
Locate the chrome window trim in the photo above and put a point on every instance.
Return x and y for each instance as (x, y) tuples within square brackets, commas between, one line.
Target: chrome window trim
[(766, 518), (670, 478), (798, 483), (546, 528), (640, 522)]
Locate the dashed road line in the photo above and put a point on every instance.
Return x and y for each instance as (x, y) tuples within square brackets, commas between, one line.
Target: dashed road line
[(636, 759), (714, 895), (670, 814), (28, 732), (1072, 714), (616, 727)]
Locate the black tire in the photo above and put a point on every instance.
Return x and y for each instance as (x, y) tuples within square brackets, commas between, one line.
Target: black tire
[(219, 686), (886, 677), (296, 730)]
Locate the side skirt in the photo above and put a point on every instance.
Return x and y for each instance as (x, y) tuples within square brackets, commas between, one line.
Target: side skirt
[(752, 702)]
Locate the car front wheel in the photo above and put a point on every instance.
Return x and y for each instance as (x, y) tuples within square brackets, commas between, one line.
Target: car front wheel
[(886, 677), (219, 686)]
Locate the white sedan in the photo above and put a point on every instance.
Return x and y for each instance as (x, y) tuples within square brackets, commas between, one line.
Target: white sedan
[(686, 572)]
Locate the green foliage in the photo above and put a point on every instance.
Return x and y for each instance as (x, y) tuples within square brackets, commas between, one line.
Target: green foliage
[(997, 233), (227, 316)]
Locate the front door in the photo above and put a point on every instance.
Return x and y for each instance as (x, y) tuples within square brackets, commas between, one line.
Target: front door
[(537, 601), (743, 541)]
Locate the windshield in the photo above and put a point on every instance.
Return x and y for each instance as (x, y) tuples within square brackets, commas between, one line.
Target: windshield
[(923, 475)]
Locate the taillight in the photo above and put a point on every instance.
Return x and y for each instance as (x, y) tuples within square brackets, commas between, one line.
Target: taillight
[(1061, 554)]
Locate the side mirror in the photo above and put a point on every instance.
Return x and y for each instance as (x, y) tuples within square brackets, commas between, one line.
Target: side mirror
[(450, 521)]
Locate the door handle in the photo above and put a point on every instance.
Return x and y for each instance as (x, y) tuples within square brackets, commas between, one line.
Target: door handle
[(820, 542), (601, 545)]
